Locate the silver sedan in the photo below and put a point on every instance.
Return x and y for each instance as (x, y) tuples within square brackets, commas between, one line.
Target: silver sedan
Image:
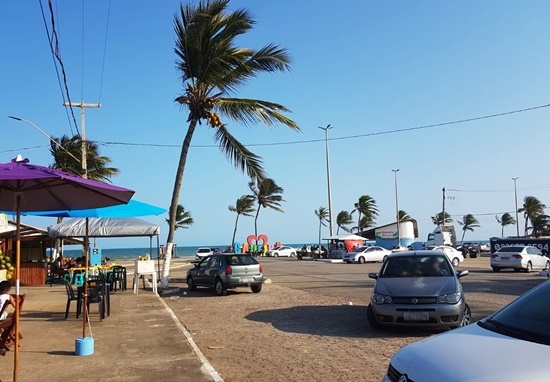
[(519, 258)]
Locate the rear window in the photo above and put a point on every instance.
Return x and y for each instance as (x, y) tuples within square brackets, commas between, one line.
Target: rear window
[(240, 260), (510, 249)]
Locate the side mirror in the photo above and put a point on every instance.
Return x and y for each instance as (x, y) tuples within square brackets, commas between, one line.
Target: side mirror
[(462, 273), (375, 275)]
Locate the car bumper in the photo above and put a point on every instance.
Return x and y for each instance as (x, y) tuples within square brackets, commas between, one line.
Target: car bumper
[(512, 263), (239, 281), (438, 315)]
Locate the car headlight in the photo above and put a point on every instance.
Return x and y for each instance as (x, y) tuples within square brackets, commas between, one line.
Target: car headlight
[(450, 298), (381, 299)]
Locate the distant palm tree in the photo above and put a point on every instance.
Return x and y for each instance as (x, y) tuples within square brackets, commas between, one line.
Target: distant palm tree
[(532, 207), (243, 206), (343, 219), (438, 218), (98, 166), (322, 215), (367, 209), (363, 223), (540, 225), (468, 223), (403, 215), (183, 218), (504, 220), (268, 195)]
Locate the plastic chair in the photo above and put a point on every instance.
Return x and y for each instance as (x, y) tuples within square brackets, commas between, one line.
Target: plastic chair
[(96, 294), (70, 297), (118, 278)]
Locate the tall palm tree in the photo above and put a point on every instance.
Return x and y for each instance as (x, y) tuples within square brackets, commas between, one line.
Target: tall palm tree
[(468, 223), (183, 218), (212, 66), (322, 215), (504, 220), (343, 219), (98, 166), (243, 206), (403, 215), (268, 195), (532, 207), (367, 209), (438, 218), (540, 225)]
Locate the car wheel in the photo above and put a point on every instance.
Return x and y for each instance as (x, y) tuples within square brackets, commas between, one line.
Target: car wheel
[(466, 317), (221, 290), (361, 260), (292, 254), (371, 319), (547, 265), (276, 254), (455, 262), (529, 267), (256, 288), (191, 283), (495, 269)]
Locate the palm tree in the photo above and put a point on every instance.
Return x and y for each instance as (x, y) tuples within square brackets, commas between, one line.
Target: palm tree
[(468, 223), (504, 220), (438, 218), (403, 215), (64, 158), (532, 207), (540, 225), (268, 195), (343, 219), (183, 218), (322, 215), (211, 66), (243, 206), (365, 206)]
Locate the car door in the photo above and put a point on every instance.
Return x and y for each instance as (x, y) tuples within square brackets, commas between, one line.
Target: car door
[(199, 276), (377, 254), (211, 270), (537, 255)]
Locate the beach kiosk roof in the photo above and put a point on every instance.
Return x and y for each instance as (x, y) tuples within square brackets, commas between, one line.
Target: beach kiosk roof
[(104, 227), (345, 237)]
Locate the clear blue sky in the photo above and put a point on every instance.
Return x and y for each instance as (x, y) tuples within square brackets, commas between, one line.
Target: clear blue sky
[(362, 66)]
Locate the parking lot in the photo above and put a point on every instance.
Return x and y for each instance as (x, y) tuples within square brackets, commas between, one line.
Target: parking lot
[(310, 322)]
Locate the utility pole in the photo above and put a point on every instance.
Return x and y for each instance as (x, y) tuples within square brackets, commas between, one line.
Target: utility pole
[(326, 129), (83, 105), (516, 197), (397, 209), (443, 213)]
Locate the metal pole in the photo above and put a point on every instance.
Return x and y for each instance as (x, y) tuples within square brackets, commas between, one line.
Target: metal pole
[(326, 129), (85, 299), (397, 209), (443, 212), (516, 198), (17, 278)]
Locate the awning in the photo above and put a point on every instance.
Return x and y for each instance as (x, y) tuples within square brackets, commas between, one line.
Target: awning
[(104, 227)]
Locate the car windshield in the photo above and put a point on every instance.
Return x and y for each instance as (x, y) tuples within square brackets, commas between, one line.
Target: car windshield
[(241, 260), (416, 266), (203, 250), (526, 318), (510, 249)]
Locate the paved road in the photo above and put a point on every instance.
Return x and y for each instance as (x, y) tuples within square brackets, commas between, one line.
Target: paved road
[(485, 290)]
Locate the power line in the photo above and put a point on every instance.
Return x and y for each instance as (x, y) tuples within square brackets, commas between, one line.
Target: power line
[(104, 51), (23, 149)]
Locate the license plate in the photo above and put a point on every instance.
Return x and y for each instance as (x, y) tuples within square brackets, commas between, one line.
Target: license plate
[(416, 316), (247, 280), (505, 258)]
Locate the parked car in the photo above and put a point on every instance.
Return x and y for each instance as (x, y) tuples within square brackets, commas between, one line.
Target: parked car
[(282, 251), (305, 251), (225, 271), (366, 254), (418, 288), (519, 258), (202, 253), (455, 256), (512, 344)]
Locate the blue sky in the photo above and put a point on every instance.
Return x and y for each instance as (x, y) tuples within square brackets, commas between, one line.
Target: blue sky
[(362, 66)]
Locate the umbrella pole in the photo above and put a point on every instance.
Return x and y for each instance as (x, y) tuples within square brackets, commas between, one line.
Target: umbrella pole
[(85, 300), (17, 277)]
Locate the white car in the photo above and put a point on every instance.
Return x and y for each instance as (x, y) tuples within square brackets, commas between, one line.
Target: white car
[(512, 344), (454, 255), (282, 251), (203, 252), (366, 254), (519, 258)]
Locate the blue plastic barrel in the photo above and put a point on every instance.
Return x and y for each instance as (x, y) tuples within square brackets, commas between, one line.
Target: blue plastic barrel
[(84, 346)]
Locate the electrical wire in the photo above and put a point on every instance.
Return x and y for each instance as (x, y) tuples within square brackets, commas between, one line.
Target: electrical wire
[(23, 149), (104, 51)]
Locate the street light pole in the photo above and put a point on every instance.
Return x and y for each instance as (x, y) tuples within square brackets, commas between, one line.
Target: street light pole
[(326, 129), (516, 198), (397, 209)]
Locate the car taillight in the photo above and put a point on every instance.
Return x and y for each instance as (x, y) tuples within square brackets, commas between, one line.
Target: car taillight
[(228, 271), (517, 256), (261, 268), (494, 256)]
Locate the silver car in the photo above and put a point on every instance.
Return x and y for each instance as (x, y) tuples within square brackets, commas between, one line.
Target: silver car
[(519, 258), (418, 288)]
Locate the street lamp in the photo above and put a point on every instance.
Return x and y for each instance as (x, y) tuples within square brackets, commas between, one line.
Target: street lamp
[(50, 138), (397, 209), (516, 198), (326, 129)]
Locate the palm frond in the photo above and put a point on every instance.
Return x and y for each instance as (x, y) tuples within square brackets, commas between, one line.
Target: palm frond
[(252, 111), (242, 158)]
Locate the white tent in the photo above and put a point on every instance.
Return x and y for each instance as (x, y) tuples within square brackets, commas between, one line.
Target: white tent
[(345, 237), (104, 227)]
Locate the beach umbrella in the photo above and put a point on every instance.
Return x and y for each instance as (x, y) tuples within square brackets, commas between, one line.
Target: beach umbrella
[(28, 187), (130, 210)]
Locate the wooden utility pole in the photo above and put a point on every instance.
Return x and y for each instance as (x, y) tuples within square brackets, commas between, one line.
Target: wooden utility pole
[(83, 105)]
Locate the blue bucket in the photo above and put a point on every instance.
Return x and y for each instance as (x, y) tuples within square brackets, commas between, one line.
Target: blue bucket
[(84, 346)]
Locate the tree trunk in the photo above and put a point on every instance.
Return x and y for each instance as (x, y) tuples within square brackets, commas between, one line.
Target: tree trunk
[(502, 233), (463, 233), (174, 203), (234, 233), (320, 234), (256, 223), (337, 230), (526, 224)]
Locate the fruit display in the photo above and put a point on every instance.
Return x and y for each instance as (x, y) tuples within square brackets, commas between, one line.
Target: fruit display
[(5, 263)]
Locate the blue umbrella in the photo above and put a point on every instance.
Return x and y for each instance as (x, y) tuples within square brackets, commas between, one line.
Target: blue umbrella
[(132, 209)]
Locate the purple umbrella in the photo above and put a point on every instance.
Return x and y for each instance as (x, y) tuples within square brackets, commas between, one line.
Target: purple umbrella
[(28, 187)]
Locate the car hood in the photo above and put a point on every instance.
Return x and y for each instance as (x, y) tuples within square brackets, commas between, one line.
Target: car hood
[(473, 353), (416, 286)]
